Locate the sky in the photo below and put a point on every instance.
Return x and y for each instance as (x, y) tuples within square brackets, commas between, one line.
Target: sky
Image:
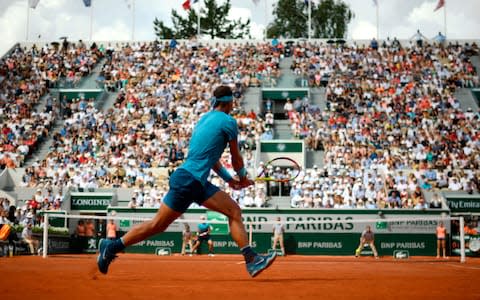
[(112, 19)]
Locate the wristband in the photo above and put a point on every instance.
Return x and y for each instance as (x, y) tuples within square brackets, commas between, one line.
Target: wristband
[(224, 174), (242, 172)]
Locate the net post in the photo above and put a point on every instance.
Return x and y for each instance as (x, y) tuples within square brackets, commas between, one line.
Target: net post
[(250, 233), (462, 240), (45, 235)]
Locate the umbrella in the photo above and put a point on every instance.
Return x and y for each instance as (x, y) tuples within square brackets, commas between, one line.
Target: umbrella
[(341, 41), (330, 41)]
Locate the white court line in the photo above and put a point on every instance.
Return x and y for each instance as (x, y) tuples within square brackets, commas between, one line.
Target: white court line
[(458, 266)]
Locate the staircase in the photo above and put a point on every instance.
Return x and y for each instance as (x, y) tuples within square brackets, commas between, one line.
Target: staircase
[(282, 130), (466, 98), (318, 97)]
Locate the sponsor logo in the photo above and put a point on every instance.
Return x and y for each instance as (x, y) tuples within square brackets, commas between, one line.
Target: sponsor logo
[(474, 244), (401, 254), (163, 251)]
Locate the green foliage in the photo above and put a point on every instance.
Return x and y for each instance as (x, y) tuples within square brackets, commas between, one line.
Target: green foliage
[(330, 19), (213, 22), (39, 230), (161, 30)]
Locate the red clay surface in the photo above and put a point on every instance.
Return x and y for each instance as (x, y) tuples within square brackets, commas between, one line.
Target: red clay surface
[(135, 276)]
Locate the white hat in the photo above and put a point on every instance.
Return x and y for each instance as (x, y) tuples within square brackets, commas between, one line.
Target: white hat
[(29, 215)]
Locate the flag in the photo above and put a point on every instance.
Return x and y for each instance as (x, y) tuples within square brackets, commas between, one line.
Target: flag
[(440, 4), (256, 2), (186, 5), (87, 3), (129, 4), (375, 2), (33, 3)]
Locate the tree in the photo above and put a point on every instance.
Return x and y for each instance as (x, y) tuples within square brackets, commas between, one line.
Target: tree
[(330, 19), (213, 22), (162, 31)]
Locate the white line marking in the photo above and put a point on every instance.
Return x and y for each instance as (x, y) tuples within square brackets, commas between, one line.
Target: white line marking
[(459, 266)]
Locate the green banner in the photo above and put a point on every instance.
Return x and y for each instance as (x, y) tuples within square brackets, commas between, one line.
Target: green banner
[(464, 204), (90, 201), (283, 94), (476, 94), (70, 94), (299, 243), (218, 228), (472, 245), (296, 147)]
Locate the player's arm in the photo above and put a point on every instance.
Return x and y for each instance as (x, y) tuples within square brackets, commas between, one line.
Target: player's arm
[(237, 162), (222, 172)]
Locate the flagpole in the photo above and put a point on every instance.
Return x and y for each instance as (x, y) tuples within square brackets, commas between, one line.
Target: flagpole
[(133, 20), (91, 20), (28, 20), (266, 20), (309, 19), (198, 22), (378, 26), (445, 19)]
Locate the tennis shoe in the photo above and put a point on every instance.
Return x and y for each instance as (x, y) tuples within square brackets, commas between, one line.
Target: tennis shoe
[(105, 257), (260, 263)]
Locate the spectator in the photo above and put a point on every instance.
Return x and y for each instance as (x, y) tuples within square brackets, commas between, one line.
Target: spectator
[(27, 237)]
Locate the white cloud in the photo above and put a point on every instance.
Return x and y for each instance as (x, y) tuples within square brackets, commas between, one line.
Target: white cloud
[(117, 31), (257, 31), (364, 30)]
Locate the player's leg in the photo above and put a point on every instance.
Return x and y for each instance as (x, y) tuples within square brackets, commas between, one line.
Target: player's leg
[(222, 203), (282, 246), (197, 244), (164, 217), (190, 245), (444, 248), (210, 247), (374, 249), (275, 241), (184, 246), (439, 245), (108, 249), (358, 251)]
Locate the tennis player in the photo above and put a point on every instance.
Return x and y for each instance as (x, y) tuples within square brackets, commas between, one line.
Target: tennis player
[(189, 184), (367, 237), (204, 236)]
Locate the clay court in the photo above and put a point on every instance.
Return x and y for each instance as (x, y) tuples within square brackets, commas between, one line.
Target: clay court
[(135, 276)]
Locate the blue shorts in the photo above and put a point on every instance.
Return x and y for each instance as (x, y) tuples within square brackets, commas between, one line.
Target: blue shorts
[(185, 189)]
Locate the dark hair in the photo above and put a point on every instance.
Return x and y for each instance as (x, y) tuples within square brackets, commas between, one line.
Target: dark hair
[(222, 91)]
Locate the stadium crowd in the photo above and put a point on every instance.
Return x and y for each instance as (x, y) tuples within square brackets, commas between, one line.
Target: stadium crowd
[(392, 127), (162, 93), (25, 76), (390, 109)]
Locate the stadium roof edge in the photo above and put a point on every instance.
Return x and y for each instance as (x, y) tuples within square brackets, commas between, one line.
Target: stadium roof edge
[(359, 42)]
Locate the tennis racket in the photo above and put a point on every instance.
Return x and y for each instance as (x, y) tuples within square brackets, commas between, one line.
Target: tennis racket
[(280, 169)]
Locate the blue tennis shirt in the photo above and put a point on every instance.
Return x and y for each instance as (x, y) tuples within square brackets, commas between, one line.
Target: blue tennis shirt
[(209, 139)]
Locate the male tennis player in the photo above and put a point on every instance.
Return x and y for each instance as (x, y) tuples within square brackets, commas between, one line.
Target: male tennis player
[(204, 236), (189, 183)]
